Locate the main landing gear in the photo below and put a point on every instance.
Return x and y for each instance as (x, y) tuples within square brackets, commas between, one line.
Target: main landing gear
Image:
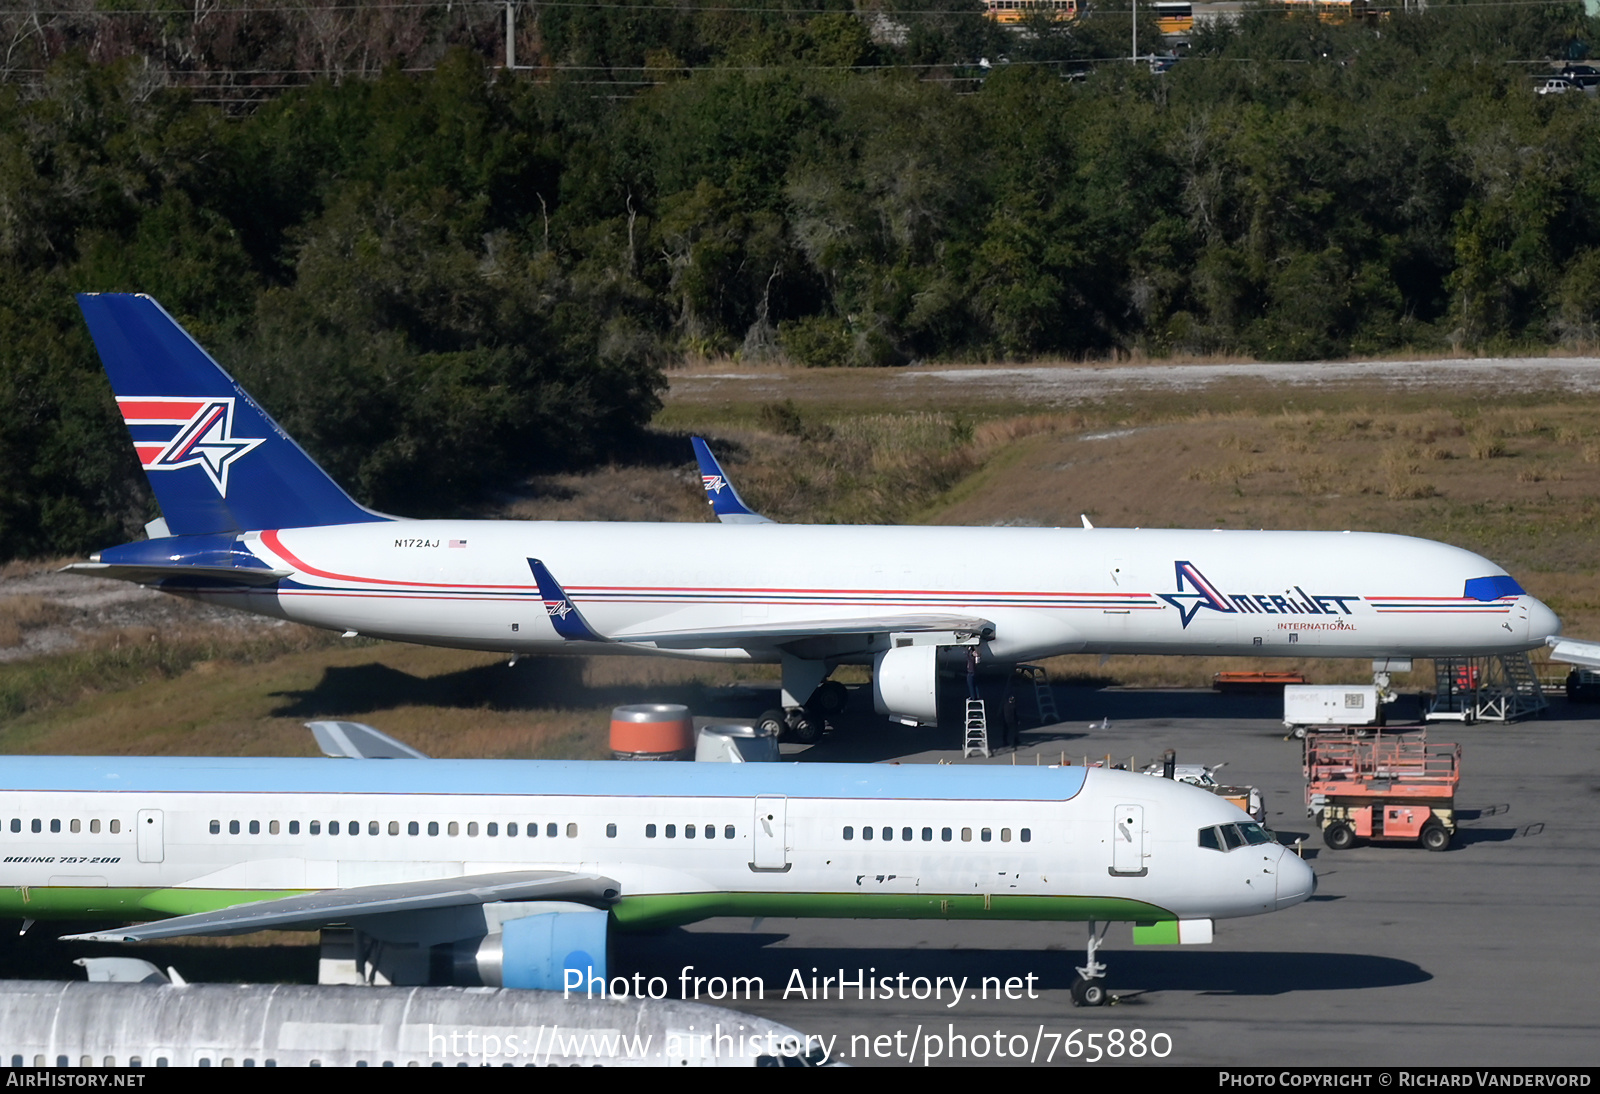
[(1089, 989), (805, 724)]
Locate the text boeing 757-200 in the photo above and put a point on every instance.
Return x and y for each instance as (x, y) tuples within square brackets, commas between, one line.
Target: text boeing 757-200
[(253, 523)]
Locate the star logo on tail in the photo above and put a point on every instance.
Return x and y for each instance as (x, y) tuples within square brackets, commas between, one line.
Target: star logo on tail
[(205, 440)]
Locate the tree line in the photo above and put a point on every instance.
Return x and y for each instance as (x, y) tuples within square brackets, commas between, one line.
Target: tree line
[(441, 282)]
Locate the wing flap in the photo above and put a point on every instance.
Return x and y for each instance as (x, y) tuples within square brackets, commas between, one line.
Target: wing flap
[(309, 911)]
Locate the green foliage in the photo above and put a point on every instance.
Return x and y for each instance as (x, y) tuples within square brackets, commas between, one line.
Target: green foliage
[(442, 282)]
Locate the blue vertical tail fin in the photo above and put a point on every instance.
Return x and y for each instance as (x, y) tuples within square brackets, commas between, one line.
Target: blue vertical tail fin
[(216, 461), (725, 500)]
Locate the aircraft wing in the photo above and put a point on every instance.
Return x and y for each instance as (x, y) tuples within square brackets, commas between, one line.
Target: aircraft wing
[(764, 633), (309, 911), (571, 625), (155, 575), (1585, 654)]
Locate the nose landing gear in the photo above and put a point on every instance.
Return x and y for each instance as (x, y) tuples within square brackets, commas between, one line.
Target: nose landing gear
[(1089, 989)]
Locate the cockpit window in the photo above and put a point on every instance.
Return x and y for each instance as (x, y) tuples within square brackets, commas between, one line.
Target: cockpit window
[(1208, 838), (1230, 832), (1492, 588), (1254, 834)]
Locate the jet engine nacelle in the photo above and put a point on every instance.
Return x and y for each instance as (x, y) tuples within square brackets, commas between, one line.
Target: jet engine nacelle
[(905, 684), (561, 948)]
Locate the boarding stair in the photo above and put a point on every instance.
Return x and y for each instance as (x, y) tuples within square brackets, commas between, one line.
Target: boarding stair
[(1044, 697), (1500, 688), (975, 741)]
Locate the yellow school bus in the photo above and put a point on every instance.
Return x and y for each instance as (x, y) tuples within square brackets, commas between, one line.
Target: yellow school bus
[(1017, 11), (1175, 18), (1339, 11)]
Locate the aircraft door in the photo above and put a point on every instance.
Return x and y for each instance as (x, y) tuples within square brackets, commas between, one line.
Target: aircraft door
[(151, 842), (770, 850), (1128, 840)]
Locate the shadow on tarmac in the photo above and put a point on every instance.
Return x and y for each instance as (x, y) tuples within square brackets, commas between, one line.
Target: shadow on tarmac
[(712, 954)]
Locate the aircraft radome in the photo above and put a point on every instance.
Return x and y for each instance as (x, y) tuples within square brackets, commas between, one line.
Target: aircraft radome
[(250, 521), (512, 872)]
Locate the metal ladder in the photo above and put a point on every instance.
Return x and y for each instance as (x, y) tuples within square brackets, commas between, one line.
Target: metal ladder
[(1501, 688), (976, 740), (1044, 699)]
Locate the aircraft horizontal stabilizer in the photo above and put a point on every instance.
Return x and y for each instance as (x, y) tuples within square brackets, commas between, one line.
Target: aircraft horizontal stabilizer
[(771, 633), (1572, 652), (179, 574), (357, 741), (313, 910), (725, 500)]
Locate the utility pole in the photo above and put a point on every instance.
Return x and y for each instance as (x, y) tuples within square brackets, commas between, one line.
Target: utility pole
[(1135, 57), (511, 36)]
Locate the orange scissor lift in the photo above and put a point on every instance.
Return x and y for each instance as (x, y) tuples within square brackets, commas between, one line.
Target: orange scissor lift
[(1382, 788)]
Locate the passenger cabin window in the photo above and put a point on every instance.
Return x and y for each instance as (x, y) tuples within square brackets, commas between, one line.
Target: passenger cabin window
[(946, 834), (316, 828), (849, 832), (649, 831), (1027, 835), (727, 831), (294, 828)]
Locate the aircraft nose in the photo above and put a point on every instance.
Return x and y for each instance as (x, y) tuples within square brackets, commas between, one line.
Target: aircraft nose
[(1542, 622), (1296, 880)]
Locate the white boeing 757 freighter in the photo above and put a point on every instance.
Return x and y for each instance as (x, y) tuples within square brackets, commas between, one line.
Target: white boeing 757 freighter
[(250, 521)]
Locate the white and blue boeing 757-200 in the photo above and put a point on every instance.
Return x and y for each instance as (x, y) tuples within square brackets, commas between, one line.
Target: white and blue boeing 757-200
[(511, 872), (251, 522)]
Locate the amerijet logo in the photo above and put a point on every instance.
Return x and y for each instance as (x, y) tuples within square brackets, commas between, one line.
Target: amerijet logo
[(558, 609), (714, 483), (1195, 591), (1203, 596), (202, 435)]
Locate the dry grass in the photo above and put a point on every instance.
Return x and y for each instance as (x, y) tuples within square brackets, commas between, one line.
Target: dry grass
[(1234, 459), (20, 614)]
